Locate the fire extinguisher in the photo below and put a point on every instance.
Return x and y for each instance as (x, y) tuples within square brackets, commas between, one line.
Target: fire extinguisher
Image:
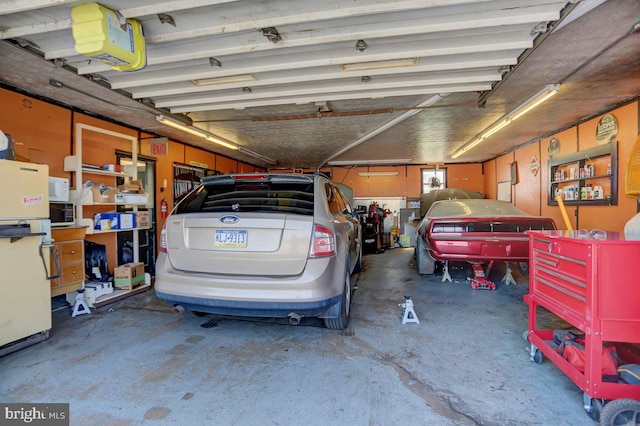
[(164, 207)]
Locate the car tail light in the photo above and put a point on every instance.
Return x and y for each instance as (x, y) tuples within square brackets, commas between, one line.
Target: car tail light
[(250, 177), (163, 238), (324, 242)]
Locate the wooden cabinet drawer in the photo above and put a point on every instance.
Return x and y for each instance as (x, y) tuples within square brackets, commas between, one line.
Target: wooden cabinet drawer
[(71, 271), (70, 251)]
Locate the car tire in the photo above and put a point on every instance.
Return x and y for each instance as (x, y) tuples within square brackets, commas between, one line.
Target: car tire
[(342, 320), (425, 264)]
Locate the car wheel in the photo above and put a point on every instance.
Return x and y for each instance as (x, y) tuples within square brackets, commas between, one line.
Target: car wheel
[(425, 264), (342, 321)]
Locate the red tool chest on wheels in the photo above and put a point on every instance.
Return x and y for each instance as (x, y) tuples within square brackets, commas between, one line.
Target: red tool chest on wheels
[(590, 280)]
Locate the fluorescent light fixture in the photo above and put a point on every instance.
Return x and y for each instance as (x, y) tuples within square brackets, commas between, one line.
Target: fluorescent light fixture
[(211, 137), (389, 124), (547, 91), (355, 162), (378, 173), (392, 63), (491, 130), (222, 143), (535, 100), (178, 125), (224, 80)]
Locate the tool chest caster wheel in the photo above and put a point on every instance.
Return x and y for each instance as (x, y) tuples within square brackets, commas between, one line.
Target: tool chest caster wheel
[(538, 356), (621, 412), (592, 406)]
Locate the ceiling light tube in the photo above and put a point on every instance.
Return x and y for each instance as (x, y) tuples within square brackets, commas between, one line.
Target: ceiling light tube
[(547, 91), (180, 126), (495, 128), (211, 138), (195, 131), (222, 143)]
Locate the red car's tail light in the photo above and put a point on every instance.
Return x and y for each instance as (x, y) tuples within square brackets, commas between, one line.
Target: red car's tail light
[(324, 242), (163, 238)]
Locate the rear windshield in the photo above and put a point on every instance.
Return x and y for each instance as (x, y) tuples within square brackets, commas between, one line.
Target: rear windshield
[(272, 194)]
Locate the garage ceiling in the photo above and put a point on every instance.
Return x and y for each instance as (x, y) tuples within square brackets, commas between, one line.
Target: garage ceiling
[(305, 83)]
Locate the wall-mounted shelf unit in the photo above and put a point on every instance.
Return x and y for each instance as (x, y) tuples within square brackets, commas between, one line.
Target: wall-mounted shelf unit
[(586, 178), (86, 207)]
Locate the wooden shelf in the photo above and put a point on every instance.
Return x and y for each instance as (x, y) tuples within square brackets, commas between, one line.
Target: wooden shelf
[(89, 170), (581, 160)]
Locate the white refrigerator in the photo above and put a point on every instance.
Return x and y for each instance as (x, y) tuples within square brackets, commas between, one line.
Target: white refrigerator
[(25, 238)]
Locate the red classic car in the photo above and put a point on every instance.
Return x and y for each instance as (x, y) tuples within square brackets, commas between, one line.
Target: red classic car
[(475, 230)]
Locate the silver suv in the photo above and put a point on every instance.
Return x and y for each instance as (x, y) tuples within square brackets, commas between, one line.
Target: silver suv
[(265, 245)]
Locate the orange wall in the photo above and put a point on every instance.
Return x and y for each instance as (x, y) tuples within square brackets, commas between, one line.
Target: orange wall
[(407, 183), (574, 139), (490, 180), (37, 129)]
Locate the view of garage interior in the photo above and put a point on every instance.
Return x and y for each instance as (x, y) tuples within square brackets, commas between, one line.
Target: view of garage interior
[(534, 103)]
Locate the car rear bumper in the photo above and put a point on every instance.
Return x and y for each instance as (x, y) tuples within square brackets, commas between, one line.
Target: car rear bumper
[(316, 292), (514, 249), (253, 309)]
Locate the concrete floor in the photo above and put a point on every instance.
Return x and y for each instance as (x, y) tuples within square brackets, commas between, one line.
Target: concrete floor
[(466, 363)]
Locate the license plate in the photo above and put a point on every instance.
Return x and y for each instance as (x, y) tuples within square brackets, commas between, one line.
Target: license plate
[(230, 238)]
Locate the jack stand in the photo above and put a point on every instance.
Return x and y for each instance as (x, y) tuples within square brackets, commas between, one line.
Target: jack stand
[(445, 272), (80, 306), (409, 315), (479, 280), (508, 277)]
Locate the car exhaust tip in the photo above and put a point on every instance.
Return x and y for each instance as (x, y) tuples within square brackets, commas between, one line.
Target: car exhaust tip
[(294, 318), (179, 309)]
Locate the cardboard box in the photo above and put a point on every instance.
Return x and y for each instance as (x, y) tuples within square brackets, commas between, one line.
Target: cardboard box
[(108, 196), (129, 275), (131, 198), (126, 220), (134, 185), (143, 219), (105, 221)]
